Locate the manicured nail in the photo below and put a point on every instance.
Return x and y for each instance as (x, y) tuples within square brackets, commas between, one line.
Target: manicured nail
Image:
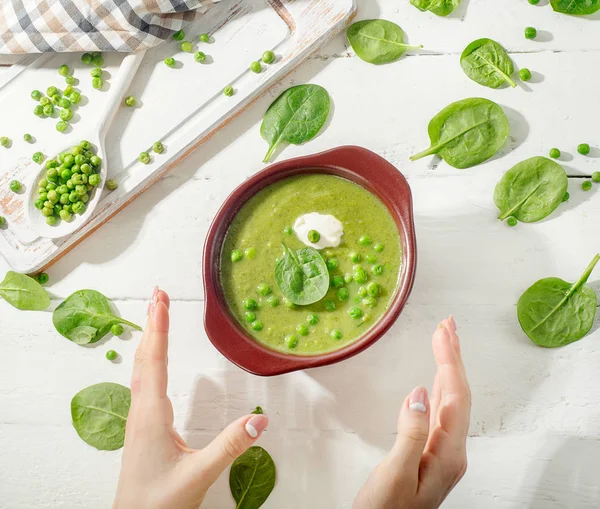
[(418, 400), (153, 302), (256, 425), (452, 323)]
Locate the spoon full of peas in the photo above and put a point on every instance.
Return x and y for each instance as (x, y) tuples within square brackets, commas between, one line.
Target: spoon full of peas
[(63, 195)]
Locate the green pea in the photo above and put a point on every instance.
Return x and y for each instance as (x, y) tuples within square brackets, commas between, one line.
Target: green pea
[(199, 56), (97, 83), (256, 67), (566, 197), (55, 99), (273, 301), (86, 169), (85, 198), (36, 95), (336, 334), (179, 35), (337, 282), (117, 329), (365, 240), (79, 207), (61, 126), (228, 91), (355, 312), (50, 91), (111, 184), (39, 204), (534, 2), (378, 247), (170, 62), (49, 110), (77, 178), (73, 197), (289, 304), (80, 190), (373, 289), (257, 325), (236, 255), (354, 257), (130, 101), (268, 57), (144, 158), (359, 275), (291, 341), (186, 46), (250, 253), (312, 319), (38, 158), (348, 278), (86, 58), (47, 211), (554, 153), (371, 259), (287, 230), (314, 236), (44, 100), (75, 97), (343, 294), (15, 186), (362, 291), (250, 304), (249, 316), (263, 289), (63, 70), (204, 38), (94, 179), (370, 302), (329, 305), (525, 74), (51, 220), (97, 60), (42, 278), (111, 355), (302, 329), (586, 185), (95, 161), (511, 221), (584, 149), (377, 270), (27, 137), (530, 33), (38, 111), (64, 199), (66, 115), (332, 263), (70, 80), (596, 176), (96, 72)]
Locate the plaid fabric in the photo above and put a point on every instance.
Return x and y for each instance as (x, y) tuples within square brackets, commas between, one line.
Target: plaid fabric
[(40, 26)]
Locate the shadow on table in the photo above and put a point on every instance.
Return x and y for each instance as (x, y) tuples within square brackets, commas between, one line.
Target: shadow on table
[(570, 478)]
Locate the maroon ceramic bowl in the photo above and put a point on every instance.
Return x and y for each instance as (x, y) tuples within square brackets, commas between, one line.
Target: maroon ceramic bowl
[(352, 163)]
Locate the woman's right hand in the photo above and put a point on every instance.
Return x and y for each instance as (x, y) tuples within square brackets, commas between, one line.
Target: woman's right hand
[(429, 456)]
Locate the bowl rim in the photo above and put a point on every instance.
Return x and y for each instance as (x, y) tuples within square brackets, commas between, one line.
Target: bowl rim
[(353, 163)]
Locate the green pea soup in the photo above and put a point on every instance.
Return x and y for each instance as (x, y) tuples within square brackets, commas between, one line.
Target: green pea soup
[(349, 309)]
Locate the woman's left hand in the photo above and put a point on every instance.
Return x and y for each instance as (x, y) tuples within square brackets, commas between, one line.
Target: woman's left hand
[(158, 470)]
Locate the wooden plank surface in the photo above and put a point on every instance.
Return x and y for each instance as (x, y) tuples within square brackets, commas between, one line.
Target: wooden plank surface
[(534, 439)]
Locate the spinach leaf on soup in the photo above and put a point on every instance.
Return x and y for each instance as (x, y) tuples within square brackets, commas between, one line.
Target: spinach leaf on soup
[(295, 117), (487, 63), (86, 317), (467, 133), (555, 313), (576, 7), (439, 7), (302, 275), (99, 414), (377, 41), (531, 190), (23, 292), (252, 478), (258, 410)]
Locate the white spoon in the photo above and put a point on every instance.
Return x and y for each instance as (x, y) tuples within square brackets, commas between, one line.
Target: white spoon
[(96, 135)]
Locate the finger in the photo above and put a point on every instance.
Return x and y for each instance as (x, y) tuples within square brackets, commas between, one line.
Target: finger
[(450, 325), (232, 442), (434, 402), (413, 430)]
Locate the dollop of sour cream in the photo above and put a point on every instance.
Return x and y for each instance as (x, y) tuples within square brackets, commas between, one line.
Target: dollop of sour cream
[(328, 226)]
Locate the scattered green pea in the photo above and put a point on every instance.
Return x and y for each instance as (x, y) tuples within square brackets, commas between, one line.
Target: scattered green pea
[(377, 270), (329, 305), (302, 329), (51, 220), (530, 33), (5, 141), (199, 56), (44, 100), (525, 74), (170, 62), (354, 257), (130, 101), (117, 329), (250, 304), (336, 334), (94, 180), (337, 282), (179, 35), (42, 278), (273, 301), (287, 230), (373, 289), (584, 149), (348, 278), (596, 176), (268, 57), (38, 111), (312, 319), (291, 341), (256, 67), (27, 137), (371, 259), (61, 126), (365, 240), (586, 185), (86, 58), (228, 91), (144, 158), (204, 38), (15, 186), (96, 72), (362, 291), (97, 60), (70, 80), (257, 325), (111, 355), (554, 153), (343, 294), (249, 316), (370, 302), (264, 289), (186, 46), (97, 83), (332, 263), (250, 253), (75, 97), (378, 247), (511, 221), (49, 110), (359, 275), (63, 70), (534, 2), (566, 197), (158, 147), (66, 115), (236, 255), (52, 90), (355, 312)]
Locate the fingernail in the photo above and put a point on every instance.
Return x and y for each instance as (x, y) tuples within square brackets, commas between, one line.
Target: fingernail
[(154, 300), (418, 400), (452, 323), (256, 425)]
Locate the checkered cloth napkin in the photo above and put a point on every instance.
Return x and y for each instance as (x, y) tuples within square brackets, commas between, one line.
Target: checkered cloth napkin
[(40, 26)]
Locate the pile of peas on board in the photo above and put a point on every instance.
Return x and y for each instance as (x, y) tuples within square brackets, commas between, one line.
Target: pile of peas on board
[(367, 292), (69, 181)]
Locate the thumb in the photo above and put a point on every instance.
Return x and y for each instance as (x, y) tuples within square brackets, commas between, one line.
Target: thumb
[(231, 443), (413, 431)]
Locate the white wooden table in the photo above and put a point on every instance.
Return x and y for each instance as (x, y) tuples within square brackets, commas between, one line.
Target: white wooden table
[(535, 430)]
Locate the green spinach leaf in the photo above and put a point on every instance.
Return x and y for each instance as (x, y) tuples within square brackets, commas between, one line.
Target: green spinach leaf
[(531, 190), (252, 478), (99, 414), (439, 7), (23, 292), (86, 317), (555, 313), (377, 41), (487, 63), (467, 133), (302, 275), (576, 7), (295, 117)]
